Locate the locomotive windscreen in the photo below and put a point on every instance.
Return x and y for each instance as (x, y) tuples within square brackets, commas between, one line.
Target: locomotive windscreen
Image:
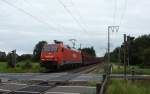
[(50, 48)]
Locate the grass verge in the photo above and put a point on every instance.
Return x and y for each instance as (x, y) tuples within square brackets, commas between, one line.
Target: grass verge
[(21, 67), (128, 87), (120, 70)]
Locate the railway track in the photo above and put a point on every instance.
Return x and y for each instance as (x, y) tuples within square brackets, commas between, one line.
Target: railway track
[(86, 69), (67, 79), (80, 70)]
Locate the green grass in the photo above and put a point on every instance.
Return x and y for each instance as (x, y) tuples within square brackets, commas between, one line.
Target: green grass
[(127, 87), (21, 68), (99, 71), (138, 70)]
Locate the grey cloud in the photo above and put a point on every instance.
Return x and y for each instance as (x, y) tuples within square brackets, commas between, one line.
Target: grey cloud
[(20, 31)]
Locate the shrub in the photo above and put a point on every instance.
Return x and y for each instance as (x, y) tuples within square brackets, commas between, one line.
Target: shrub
[(27, 64), (17, 65)]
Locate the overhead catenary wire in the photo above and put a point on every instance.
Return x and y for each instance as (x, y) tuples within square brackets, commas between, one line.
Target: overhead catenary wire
[(78, 13), (58, 24), (115, 12), (123, 13), (70, 13), (27, 13)]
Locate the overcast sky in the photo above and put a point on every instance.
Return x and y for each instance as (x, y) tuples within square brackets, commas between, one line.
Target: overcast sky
[(25, 22)]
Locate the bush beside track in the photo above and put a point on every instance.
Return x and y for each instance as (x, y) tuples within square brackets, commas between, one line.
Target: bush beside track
[(22, 67)]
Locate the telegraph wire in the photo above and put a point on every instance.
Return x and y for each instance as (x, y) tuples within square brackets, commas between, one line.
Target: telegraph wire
[(123, 13), (27, 13), (70, 13)]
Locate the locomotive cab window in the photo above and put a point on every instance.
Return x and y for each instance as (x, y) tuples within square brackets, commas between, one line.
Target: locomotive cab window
[(50, 48)]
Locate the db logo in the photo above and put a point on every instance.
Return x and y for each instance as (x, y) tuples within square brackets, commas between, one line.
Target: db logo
[(74, 56)]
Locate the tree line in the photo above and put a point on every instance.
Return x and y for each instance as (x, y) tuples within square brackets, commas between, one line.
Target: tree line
[(35, 57), (38, 48), (138, 51), (89, 50)]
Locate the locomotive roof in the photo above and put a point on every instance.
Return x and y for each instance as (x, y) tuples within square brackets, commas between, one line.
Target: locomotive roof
[(65, 46)]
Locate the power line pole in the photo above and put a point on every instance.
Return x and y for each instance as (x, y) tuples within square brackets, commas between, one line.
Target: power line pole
[(112, 29), (73, 42), (80, 46)]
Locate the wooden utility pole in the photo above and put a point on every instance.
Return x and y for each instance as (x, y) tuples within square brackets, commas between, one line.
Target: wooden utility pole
[(119, 55), (108, 50)]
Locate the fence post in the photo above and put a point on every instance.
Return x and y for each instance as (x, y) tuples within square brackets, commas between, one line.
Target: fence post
[(98, 88), (104, 77), (133, 74)]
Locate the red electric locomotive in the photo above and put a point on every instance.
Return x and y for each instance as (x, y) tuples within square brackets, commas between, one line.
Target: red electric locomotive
[(58, 54)]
